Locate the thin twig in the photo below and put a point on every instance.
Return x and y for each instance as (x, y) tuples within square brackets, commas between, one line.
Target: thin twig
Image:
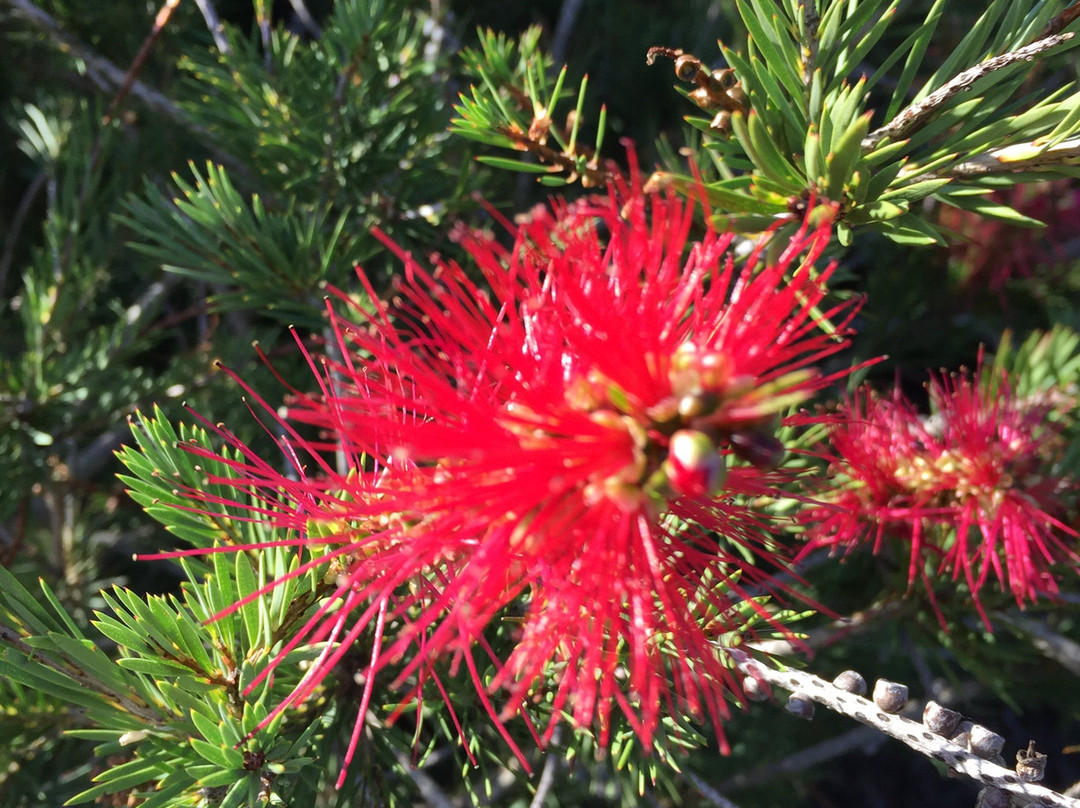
[(1010, 159), (547, 776), (708, 792), (305, 17), (213, 23), (98, 67), (811, 21), (1059, 22), (920, 113), (160, 21), (427, 787), (864, 739), (1051, 644), (17, 220)]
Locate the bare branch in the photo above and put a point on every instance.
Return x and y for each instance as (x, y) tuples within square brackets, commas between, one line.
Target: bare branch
[(919, 114), (213, 23), (305, 17), (1018, 157), (1061, 20), (864, 739), (918, 736)]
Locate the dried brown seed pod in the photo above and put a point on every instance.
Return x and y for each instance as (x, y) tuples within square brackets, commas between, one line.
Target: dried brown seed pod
[(755, 689), (1030, 765), (984, 743), (890, 696), (687, 67), (799, 704), (852, 682), (940, 720), (721, 122), (991, 797)]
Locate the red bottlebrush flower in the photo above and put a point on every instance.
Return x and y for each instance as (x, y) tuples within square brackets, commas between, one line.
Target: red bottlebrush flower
[(567, 439), (970, 487)]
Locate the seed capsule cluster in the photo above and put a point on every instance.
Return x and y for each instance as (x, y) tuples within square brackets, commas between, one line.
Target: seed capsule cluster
[(943, 735)]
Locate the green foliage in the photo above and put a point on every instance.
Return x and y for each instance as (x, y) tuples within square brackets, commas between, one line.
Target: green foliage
[(255, 180), (514, 108), (791, 123), (330, 138)]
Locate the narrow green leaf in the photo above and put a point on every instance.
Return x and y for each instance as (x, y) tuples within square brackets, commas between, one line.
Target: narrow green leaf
[(127, 775), (760, 145), (812, 157), (753, 16), (246, 585), (164, 795), (909, 229), (12, 593), (37, 676), (878, 211), (225, 757), (193, 642), (208, 727), (153, 667), (718, 195), (915, 190), (60, 611), (919, 42), (992, 210), (845, 156)]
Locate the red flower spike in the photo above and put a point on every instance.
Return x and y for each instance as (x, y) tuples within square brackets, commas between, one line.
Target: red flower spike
[(524, 441), (969, 487)]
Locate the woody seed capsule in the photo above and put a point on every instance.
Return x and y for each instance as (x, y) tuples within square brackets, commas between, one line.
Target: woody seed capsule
[(984, 743), (799, 705), (1030, 765), (852, 682), (940, 720), (890, 696)]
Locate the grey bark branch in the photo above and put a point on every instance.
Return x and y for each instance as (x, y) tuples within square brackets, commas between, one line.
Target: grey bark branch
[(912, 733), (922, 112), (1018, 157)]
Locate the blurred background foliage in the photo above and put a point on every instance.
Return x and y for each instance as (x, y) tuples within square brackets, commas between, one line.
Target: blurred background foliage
[(150, 233)]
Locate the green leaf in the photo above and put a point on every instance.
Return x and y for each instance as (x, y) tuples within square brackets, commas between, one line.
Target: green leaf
[(118, 778), (879, 211), (225, 757), (915, 46), (915, 190), (209, 728), (845, 156), (992, 210), (769, 44), (246, 586), (910, 230), (757, 142), (515, 165), (15, 597), (153, 667), (35, 675), (812, 157)]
